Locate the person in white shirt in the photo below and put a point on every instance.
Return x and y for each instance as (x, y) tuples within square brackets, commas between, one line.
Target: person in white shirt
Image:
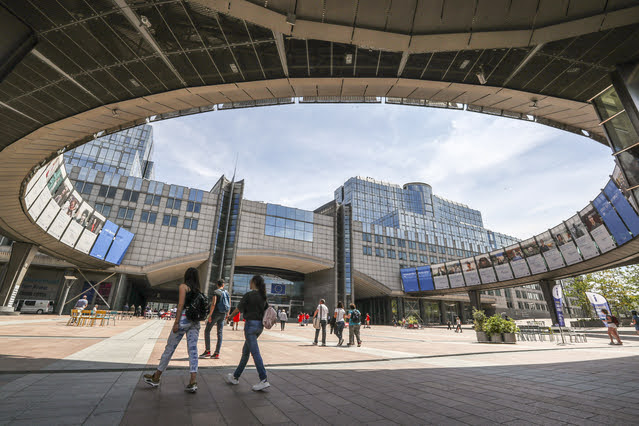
[(322, 313), (283, 318), (339, 322)]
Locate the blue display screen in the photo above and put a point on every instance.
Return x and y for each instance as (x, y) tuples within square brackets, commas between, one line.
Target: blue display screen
[(623, 207), (425, 277), (409, 279), (611, 219), (104, 240), (119, 247)]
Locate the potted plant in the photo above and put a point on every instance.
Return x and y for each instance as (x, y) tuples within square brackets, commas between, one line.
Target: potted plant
[(509, 331), (494, 327), (479, 320), (412, 322)]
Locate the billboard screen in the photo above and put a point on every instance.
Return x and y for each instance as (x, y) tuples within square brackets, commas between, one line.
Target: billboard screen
[(425, 278), (500, 262), (469, 269), (455, 276), (612, 220), (566, 244), (550, 251), (594, 223), (409, 279), (486, 271), (120, 245), (581, 237), (102, 244), (517, 261), (440, 277)]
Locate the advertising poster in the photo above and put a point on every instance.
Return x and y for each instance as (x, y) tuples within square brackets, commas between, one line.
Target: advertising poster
[(598, 302), (455, 276), (59, 225), (440, 277), (83, 214), (486, 271), (409, 279), (96, 222), (517, 261), (579, 233), (532, 251), (502, 267), (425, 278), (48, 214), (39, 182), (623, 207), (612, 220), (102, 244), (566, 244), (39, 204), (104, 290), (557, 296), (121, 243), (550, 251), (56, 179), (62, 193), (35, 179), (72, 232), (86, 240), (71, 205), (595, 225), (469, 269)]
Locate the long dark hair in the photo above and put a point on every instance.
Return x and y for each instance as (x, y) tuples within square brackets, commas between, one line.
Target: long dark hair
[(340, 305), (258, 282), (192, 279)]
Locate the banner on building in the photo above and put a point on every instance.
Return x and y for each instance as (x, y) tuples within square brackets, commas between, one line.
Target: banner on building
[(557, 296), (409, 279), (278, 289), (612, 220), (425, 278), (598, 302)]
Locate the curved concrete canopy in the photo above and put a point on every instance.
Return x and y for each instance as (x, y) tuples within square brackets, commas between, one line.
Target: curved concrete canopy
[(99, 67), (286, 260)]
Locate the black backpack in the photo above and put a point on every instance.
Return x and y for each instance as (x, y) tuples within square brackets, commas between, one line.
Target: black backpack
[(356, 316), (197, 306)]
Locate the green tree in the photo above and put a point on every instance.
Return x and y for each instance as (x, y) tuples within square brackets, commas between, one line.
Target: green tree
[(577, 291), (620, 286)]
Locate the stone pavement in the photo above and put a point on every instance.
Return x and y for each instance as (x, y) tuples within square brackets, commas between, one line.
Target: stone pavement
[(430, 376)]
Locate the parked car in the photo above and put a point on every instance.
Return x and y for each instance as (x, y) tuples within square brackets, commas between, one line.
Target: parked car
[(35, 306)]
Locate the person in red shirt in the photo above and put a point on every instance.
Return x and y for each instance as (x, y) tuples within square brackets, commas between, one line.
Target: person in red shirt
[(300, 318), (368, 321), (306, 318), (236, 322)]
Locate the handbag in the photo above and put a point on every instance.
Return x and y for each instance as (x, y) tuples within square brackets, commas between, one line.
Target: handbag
[(316, 322)]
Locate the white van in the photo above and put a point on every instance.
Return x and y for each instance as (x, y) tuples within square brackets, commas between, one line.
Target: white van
[(35, 306)]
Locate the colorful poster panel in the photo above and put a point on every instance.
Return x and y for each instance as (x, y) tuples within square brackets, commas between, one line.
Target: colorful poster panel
[(83, 214), (533, 256), (102, 244), (96, 222), (500, 262), (565, 244), (486, 271), (59, 225), (71, 205), (63, 192), (581, 237), (409, 277), (48, 214), (594, 223), (550, 251), (425, 278), (469, 269), (517, 261), (440, 277), (623, 207), (612, 220), (455, 276), (84, 242)]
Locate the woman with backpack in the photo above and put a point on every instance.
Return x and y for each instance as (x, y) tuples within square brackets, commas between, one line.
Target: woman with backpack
[(187, 291), (611, 322), (252, 307)]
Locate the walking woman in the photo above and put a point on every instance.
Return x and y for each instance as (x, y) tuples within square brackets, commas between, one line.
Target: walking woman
[(339, 322), (252, 307), (182, 326)]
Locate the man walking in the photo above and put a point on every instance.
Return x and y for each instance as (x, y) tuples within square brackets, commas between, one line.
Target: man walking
[(220, 307), (283, 318), (322, 313), (354, 321)]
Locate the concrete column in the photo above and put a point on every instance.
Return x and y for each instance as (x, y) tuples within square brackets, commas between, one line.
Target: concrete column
[(119, 293), (21, 256), (443, 312), (475, 299), (546, 288)]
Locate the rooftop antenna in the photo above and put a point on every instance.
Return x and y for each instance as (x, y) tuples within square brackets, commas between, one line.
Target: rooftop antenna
[(235, 167)]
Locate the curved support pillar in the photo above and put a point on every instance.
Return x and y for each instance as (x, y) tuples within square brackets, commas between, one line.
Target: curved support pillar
[(475, 299), (546, 288), (21, 256)]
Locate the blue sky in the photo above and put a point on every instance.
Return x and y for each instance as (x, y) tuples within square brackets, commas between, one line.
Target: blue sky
[(523, 177)]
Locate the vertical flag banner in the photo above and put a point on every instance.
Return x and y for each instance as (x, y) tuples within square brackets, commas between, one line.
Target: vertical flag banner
[(598, 302), (557, 296), (425, 278), (409, 279)]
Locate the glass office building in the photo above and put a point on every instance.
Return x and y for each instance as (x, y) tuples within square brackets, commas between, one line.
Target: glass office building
[(126, 153)]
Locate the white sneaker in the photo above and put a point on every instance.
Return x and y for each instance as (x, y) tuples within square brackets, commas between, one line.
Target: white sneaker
[(231, 380), (261, 385)]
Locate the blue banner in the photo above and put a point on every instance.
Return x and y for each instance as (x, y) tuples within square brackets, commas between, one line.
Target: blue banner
[(623, 207), (557, 296), (409, 279), (599, 302), (278, 289), (425, 277), (104, 240), (612, 220), (119, 247)]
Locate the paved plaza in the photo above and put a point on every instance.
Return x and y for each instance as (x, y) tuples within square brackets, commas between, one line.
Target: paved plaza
[(53, 374)]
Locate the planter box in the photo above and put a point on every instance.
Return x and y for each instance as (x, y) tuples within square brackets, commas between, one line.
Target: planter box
[(509, 338), (482, 337), (496, 338)]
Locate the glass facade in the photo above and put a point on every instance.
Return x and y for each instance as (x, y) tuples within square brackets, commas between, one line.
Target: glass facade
[(287, 222), (125, 153), (283, 289)]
